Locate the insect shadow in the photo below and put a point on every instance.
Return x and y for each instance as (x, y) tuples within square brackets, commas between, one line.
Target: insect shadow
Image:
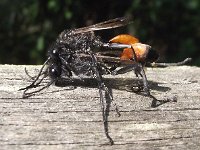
[(113, 83), (118, 84)]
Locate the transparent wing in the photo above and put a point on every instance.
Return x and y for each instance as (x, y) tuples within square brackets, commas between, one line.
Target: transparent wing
[(109, 24)]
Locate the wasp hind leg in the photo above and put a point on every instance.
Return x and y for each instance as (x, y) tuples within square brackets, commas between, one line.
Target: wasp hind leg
[(184, 62), (138, 69)]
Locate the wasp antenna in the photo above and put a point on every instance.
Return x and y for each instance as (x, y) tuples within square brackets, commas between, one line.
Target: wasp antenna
[(26, 95), (32, 85), (26, 71)]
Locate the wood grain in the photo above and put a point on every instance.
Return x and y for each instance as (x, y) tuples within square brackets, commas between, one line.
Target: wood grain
[(69, 117)]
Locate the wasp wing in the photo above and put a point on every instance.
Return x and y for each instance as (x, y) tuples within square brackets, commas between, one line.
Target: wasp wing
[(109, 24)]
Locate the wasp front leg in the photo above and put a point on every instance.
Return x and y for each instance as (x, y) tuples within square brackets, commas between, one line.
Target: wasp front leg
[(102, 87)]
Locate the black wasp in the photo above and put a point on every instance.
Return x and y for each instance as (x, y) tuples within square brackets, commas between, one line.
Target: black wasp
[(78, 51)]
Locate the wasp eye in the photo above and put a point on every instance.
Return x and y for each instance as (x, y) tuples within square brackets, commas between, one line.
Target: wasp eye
[(54, 53), (54, 71)]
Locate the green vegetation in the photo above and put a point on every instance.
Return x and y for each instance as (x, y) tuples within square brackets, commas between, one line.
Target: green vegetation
[(28, 27)]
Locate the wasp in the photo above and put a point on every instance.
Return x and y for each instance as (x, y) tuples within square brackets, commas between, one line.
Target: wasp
[(80, 52)]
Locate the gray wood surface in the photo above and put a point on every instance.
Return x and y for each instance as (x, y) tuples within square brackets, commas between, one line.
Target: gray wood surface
[(70, 118)]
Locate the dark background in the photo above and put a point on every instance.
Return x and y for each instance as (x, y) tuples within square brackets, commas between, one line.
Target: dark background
[(28, 27)]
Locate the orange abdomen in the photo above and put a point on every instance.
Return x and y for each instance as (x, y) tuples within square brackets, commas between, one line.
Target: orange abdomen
[(128, 53), (143, 52), (124, 39)]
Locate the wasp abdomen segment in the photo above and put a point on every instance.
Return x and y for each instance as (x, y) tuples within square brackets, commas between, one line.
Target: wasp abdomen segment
[(142, 52), (127, 53), (124, 39)]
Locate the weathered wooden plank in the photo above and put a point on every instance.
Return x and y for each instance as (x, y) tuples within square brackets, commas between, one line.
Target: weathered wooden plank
[(70, 118)]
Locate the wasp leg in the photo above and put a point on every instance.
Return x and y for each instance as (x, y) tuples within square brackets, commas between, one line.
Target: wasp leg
[(144, 79), (107, 70), (184, 62), (66, 68), (138, 69), (102, 88), (26, 71)]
